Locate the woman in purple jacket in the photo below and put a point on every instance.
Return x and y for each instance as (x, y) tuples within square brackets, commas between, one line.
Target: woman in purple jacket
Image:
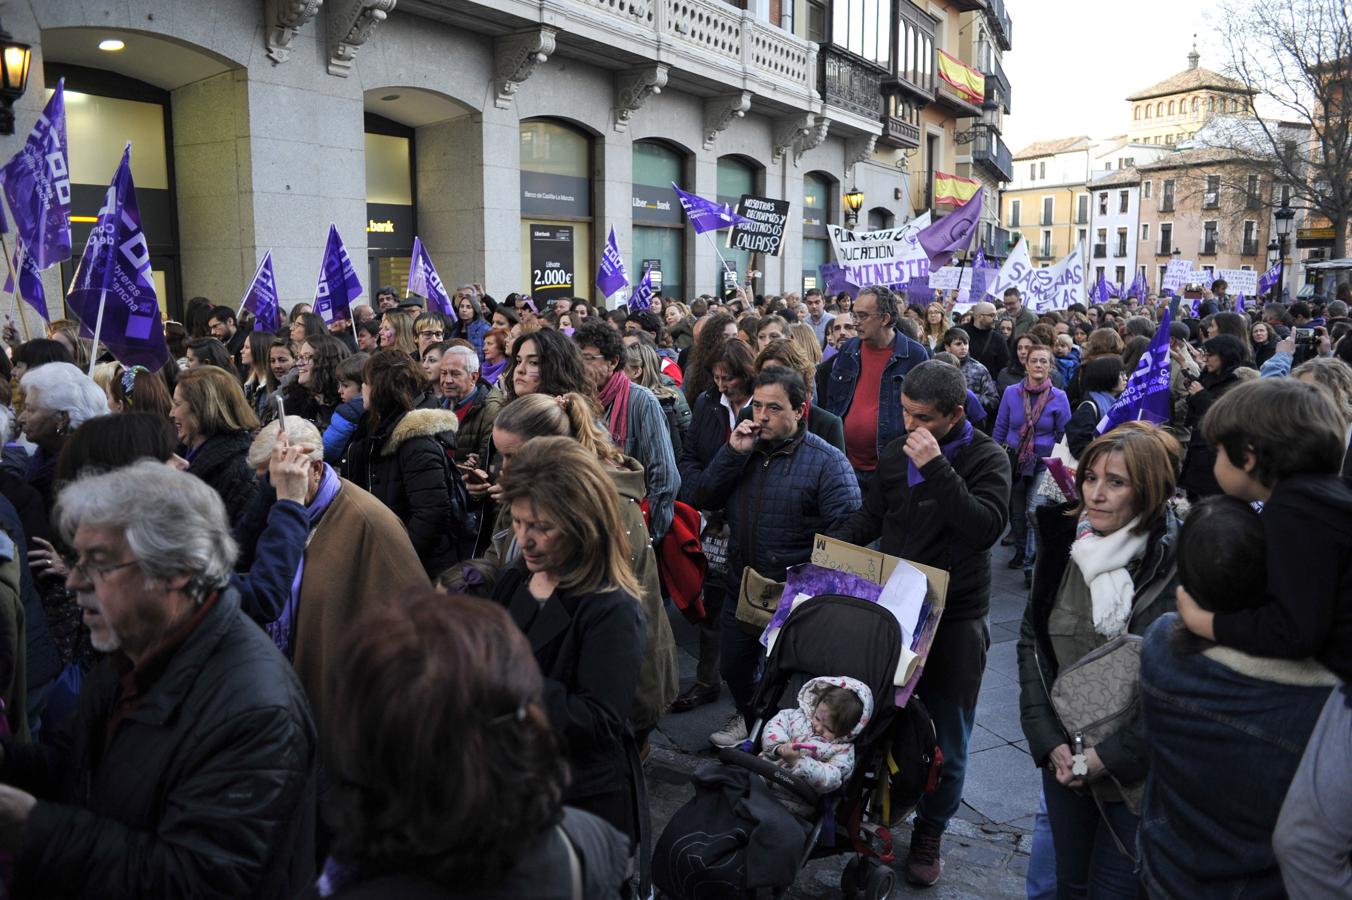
[(1033, 416)]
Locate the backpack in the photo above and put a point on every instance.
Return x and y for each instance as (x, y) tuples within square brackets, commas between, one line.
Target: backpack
[(911, 766), (464, 521)]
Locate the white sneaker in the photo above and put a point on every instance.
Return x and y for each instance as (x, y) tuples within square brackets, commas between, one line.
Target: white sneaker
[(731, 734)]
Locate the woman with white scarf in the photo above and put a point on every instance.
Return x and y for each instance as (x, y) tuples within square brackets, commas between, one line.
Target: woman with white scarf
[(1106, 567)]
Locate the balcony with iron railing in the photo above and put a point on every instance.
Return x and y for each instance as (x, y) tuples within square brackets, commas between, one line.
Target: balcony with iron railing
[(849, 82), (989, 151), (897, 131), (997, 84), (1001, 26)]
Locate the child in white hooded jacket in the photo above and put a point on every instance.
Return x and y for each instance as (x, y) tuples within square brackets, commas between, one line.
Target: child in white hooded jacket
[(816, 740)]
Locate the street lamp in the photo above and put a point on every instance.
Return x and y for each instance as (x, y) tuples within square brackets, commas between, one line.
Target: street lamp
[(15, 57), (1284, 217), (854, 198)]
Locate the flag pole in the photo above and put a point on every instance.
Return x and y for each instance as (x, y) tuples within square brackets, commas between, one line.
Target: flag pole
[(98, 328), (723, 262), (15, 307)]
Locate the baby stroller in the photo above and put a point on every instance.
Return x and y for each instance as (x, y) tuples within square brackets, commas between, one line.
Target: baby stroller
[(711, 849)]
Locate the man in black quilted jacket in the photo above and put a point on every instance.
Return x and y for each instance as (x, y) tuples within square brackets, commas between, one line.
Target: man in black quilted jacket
[(190, 769), (941, 499)]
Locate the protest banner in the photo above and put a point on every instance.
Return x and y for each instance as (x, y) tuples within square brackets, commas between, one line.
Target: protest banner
[(1054, 287), (945, 279), (654, 269), (888, 256), (1204, 277), (762, 227), (1241, 281), (1176, 274)]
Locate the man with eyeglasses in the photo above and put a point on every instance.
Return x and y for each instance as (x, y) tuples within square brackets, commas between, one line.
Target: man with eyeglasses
[(862, 382), (191, 766), (429, 329), (986, 345)]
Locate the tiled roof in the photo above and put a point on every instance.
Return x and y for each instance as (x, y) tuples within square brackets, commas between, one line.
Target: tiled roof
[(1047, 148), (1116, 178), (1192, 80), (1196, 158)]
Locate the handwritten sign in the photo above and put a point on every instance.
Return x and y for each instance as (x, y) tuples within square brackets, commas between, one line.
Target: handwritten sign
[(946, 279), (1241, 281), (1176, 274)]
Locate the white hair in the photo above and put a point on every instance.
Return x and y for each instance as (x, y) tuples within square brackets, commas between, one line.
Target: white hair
[(64, 388), (298, 431), (174, 523), (469, 356)]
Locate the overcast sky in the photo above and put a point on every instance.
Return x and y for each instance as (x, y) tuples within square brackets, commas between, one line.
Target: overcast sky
[(1075, 61)]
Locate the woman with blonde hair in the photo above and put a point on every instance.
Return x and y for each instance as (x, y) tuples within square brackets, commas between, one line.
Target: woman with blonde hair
[(67, 332), (539, 415), (644, 367), (573, 593), (215, 424), (805, 339), (936, 323), (396, 331)]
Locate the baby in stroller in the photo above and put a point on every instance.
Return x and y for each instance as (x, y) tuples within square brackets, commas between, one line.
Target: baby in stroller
[(815, 741)]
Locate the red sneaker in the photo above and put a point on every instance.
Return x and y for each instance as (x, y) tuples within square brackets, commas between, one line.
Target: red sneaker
[(923, 863)]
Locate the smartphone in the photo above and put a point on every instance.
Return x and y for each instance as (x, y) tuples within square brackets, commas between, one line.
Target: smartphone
[(471, 474), (281, 413)]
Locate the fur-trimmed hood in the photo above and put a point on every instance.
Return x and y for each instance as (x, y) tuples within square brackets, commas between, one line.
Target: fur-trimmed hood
[(420, 423)]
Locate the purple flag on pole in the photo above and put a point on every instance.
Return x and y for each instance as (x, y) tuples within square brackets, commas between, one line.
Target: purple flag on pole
[(1138, 288), (37, 185), (1114, 291), (1239, 304), (114, 275), (261, 297), (30, 281), (610, 275), (338, 285), (424, 281), (706, 215), (1100, 292), (980, 261), (951, 233), (642, 297), (918, 292), (1147, 393), (1268, 280)]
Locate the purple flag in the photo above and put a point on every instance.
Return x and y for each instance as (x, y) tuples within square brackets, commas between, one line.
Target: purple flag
[(980, 261), (951, 233), (30, 280), (1138, 288), (338, 285), (919, 293), (834, 281), (706, 215), (424, 281), (610, 275), (261, 297), (1268, 280), (112, 292), (1239, 304), (1100, 292), (1147, 392), (1114, 291), (642, 297), (37, 185)]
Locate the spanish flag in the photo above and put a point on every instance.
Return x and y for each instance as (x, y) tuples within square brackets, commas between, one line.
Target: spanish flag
[(953, 190), (968, 82)]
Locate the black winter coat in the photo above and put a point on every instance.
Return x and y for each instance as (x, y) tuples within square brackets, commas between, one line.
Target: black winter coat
[(1198, 478), (222, 463), (949, 521), (206, 788), (989, 348), (1125, 754), (707, 434), (590, 649), (404, 464)]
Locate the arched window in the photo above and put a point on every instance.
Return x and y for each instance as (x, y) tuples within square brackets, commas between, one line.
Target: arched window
[(1147, 110), (736, 177), (1159, 110), (1171, 108), (819, 206), (1196, 107), (556, 213), (1210, 104), (1137, 115), (659, 224)]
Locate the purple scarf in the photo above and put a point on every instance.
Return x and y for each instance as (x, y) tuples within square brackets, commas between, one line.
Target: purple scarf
[(489, 372), (1032, 411), (283, 628), (949, 451)]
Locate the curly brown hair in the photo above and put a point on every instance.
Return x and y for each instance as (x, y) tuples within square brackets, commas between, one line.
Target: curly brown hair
[(443, 761)]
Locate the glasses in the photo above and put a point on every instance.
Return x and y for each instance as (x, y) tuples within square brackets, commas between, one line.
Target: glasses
[(861, 315), (593, 357), (89, 572), (429, 332)]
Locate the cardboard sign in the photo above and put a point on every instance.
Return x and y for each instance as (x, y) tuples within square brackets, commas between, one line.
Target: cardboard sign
[(1176, 274), (1241, 281), (763, 232)]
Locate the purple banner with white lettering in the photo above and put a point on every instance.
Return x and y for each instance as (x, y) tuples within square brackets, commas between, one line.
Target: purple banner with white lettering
[(37, 185), (424, 281), (30, 281), (706, 215), (1147, 393), (113, 281), (338, 285), (261, 297), (642, 297), (610, 275)]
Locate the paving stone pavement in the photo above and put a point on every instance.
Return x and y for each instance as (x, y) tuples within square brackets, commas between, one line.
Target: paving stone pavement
[(986, 848)]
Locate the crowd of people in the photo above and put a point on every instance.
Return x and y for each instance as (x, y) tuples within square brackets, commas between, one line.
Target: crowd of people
[(380, 608)]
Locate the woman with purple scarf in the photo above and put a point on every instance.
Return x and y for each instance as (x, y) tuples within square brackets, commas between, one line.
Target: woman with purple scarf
[(1033, 416)]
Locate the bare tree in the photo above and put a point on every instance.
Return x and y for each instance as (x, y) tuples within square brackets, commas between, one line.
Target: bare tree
[(1298, 55)]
